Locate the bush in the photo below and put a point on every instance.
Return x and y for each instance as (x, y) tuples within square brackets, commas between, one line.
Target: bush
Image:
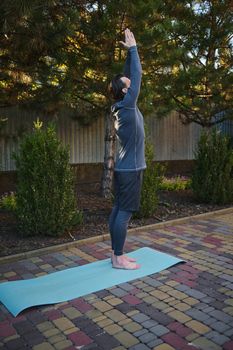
[(45, 199), (212, 178), (176, 183), (152, 179), (8, 202)]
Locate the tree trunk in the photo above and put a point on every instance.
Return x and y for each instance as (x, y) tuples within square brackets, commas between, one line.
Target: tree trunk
[(109, 153)]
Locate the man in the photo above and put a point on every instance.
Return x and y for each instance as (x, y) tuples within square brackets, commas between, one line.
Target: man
[(130, 160)]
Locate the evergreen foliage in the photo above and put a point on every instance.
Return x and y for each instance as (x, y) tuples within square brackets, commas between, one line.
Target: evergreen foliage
[(152, 179), (62, 54), (45, 199), (212, 178)]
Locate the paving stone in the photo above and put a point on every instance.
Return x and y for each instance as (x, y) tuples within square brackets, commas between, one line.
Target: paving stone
[(51, 332), (65, 344), (63, 323), (198, 315), (147, 337), (126, 339), (191, 301), (139, 347), (34, 338), (102, 306), (115, 301), (205, 344), (44, 326), (154, 343), (71, 312), (198, 327), (141, 332), (182, 306), (16, 344), (217, 338), (115, 315), (209, 321), (79, 338), (159, 330), (149, 323), (229, 333), (43, 346), (106, 341), (174, 340), (56, 338), (228, 345), (152, 282), (105, 322), (140, 318), (179, 316), (221, 316), (125, 321), (164, 347), (126, 286), (113, 329), (132, 327), (118, 292), (23, 327), (220, 326)]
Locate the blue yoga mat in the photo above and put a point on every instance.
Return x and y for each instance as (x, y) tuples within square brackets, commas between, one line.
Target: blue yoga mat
[(79, 281)]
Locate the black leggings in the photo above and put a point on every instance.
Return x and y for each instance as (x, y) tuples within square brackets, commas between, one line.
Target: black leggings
[(118, 223)]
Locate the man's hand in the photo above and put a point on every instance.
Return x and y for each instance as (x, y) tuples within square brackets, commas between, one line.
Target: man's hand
[(129, 39)]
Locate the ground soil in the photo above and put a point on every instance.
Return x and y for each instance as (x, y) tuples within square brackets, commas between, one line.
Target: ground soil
[(96, 210)]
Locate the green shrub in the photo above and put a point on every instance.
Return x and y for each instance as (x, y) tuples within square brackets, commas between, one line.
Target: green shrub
[(212, 178), (8, 202), (152, 178), (176, 183), (45, 197)]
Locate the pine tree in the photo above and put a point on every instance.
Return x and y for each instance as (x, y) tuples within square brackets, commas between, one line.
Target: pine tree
[(188, 53)]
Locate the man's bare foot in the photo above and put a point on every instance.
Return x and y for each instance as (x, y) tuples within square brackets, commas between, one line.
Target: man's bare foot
[(125, 257), (119, 262)]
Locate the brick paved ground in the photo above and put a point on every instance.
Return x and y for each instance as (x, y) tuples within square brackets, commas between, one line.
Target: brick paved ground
[(188, 306)]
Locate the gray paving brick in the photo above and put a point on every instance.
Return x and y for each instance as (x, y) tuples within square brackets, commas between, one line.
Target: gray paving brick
[(146, 338), (217, 338), (152, 282), (159, 330), (139, 347), (154, 343), (140, 318), (230, 286), (221, 316), (126, 286), (195, 294), (227, 277), (229, 333), (149, 323), (209, 321), (139, 333), (220, 326), (26, 276), (182, 287), (197, 314), (118, 292), (208, 300)]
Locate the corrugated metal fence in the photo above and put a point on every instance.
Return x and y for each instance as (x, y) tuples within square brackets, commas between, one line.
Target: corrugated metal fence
[(171, 139)]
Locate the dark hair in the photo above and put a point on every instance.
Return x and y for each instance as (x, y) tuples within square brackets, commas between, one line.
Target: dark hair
[(116, 87)]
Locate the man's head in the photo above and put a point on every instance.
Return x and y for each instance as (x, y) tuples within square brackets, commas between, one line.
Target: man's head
[(119, 86)]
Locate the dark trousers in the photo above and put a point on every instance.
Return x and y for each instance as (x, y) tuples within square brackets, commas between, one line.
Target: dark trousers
[(118, 223), (127, 200)]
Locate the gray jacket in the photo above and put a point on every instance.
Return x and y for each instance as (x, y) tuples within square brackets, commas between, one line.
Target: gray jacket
[(129, 123)]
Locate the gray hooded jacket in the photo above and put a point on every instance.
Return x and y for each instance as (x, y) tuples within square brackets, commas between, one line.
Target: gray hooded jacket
[(129, 124)]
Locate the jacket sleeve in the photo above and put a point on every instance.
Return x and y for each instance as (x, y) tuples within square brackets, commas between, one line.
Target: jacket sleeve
[(126, 70), (132, 94)]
